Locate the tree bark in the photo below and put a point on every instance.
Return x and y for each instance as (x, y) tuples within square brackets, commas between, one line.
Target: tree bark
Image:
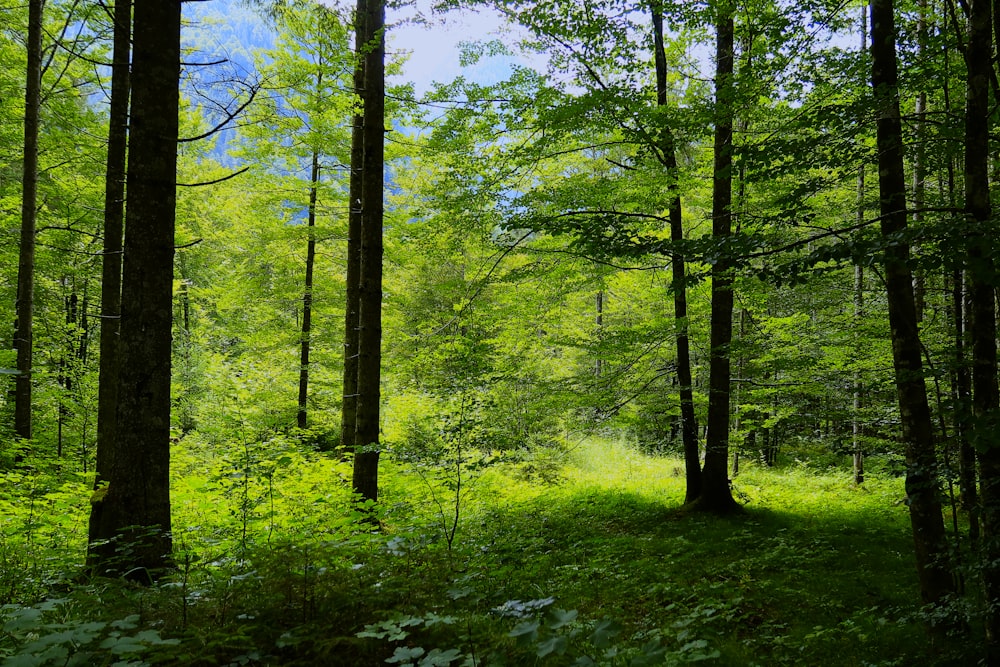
[(668, 150), (919, 162), (985, 393), (371, 26), (302, 418), (349, 406), (25, 309), (859, 310), (111, 267), (859, 305), (917, 429), (716, 495), (133, 526), (962, 398)]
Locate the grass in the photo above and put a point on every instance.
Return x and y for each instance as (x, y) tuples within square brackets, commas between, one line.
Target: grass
[(599, 567)]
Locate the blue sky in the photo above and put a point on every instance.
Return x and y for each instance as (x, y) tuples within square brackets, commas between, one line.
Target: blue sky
[(434, 48)]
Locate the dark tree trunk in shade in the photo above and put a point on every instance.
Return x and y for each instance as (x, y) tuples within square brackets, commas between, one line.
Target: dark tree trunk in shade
[(111, 267), (715, 495), (25, 309), (371, 24), (668, 150), (134, 508), (983, 326), (962, 398), (349, 407), (302, 418), (917, 429)]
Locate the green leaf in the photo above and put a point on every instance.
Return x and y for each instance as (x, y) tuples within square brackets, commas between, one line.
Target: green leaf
[(405, 654), (557, 645), (605, 630), (439, 658), (652, 653), (525, 631), (559, 618)]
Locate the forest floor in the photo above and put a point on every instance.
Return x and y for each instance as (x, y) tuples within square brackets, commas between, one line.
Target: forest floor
[(578, 559)]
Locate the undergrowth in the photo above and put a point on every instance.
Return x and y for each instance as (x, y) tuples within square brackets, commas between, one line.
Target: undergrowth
[(595, 566)]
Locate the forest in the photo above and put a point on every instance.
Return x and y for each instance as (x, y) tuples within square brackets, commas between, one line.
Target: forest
[(662, 332)]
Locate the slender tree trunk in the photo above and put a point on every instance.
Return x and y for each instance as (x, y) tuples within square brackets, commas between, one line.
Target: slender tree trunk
[(668, 149), (599, 320), (371, 24), (111, 267), (307, 296), (859, 304), (859, 310), (134, 521), (917, 430), (68, 363), (716, 495), (985, 393), (962, 399), (961, 377), (25, 310)]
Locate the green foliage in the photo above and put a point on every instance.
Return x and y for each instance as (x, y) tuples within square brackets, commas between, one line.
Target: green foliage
[(48, 633), (508, 533), (275, 565)]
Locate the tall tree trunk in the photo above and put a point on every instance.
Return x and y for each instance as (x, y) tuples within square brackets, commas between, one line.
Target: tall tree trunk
[(919, 161), (668, 150), (349, 406), (134, 521), (917, 430), (962, 399), (961, 376), (859, 304), (985, 393), (859, 311), (371, 24), (307, 296), (716, 495), (25, 310), (111, 266)]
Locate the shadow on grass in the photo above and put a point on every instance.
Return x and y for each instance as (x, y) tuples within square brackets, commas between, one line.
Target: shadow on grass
[(816, 585)]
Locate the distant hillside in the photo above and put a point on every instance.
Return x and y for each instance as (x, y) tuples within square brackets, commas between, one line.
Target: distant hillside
[(219, 41)]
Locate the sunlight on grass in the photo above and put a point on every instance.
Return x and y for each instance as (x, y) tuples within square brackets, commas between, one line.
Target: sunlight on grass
[(616, 464), (583, 549)]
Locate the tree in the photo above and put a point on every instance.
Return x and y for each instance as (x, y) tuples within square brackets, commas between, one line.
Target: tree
[(668, 155), (26, 257), (917, 430), (370, 20), (131, 530), (982, 274), (298, 136), (352, 327), (715, 495), (111, 266)]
